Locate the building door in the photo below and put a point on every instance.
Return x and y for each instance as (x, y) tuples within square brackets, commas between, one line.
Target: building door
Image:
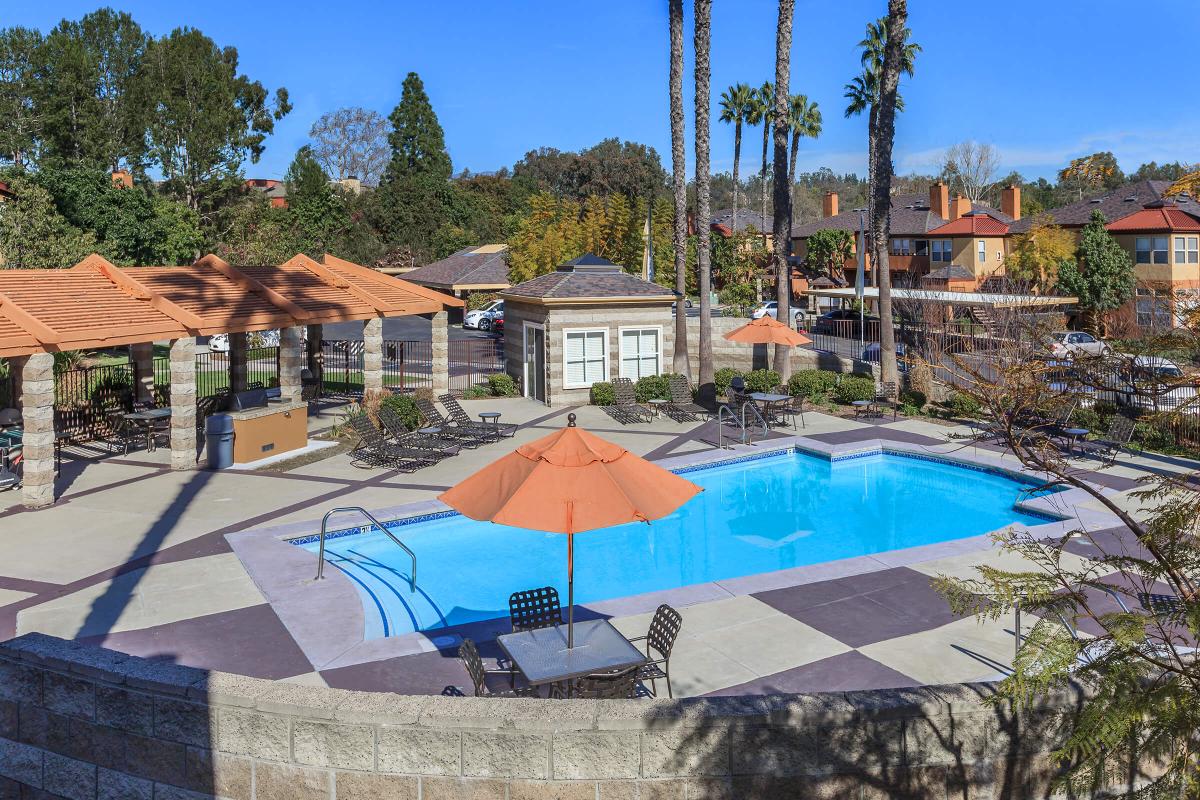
[(535, 362)]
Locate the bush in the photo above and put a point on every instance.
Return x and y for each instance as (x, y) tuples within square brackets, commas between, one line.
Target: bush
[(963, 405), (602, 394), (723, 377), (1153, 436), (502, 385), (913, 398), (1087, 418), (815, 384), (854, 387), (762, 380), (910, 410), (652, 387), (476, 392), (404, 407)]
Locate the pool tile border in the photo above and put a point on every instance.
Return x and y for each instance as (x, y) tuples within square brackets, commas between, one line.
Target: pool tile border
[(306, 606)]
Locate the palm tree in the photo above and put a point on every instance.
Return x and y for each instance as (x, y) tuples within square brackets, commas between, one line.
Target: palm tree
[(783, 194), (892, 64), (804, 119), (735, 107), (761, 103), (703, 76), (679, 361)]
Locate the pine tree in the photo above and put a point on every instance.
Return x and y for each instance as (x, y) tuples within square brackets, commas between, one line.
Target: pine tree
[(305, 178), (1103, 280), (418, 144)]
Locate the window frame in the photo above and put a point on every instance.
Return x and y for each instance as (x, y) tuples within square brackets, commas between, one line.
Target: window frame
[(604, 359), (1138, 251), (658, 354), (981, 250)]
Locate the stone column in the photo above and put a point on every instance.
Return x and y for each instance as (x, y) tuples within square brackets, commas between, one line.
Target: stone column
[(316, 357), (372, 356), (183, 403), (37, 417), (237, 361), (441, 353), (291, 361), (143, 366)]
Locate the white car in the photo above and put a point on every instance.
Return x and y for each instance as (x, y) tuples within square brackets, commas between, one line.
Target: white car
[(219, 342), (1064, 344), (771, 309), (482, 318), (1154, 384)]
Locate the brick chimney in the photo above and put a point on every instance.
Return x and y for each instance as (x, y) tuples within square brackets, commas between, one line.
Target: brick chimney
[(830, 205), (959, 208), (122, 179), (1010, 201), (939, 199)]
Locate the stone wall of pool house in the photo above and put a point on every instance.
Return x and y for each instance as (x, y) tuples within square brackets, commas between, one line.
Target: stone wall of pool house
[(86, 723)]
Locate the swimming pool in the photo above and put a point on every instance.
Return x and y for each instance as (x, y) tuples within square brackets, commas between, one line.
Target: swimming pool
[(757, 515)]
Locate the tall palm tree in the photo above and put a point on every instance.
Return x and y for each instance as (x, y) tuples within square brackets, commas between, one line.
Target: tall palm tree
[(893, 63), (735, 107), (703, 76), (761, 103), (804, 120), (679, 362), (782, 195)]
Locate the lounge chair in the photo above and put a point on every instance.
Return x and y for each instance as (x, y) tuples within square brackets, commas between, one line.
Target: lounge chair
[(394, 427), (532, 609), (467, 437), (1120, 432), (374, 450), (682, 408), (625, 408), (471, 659), (660, 640), (461, 418)]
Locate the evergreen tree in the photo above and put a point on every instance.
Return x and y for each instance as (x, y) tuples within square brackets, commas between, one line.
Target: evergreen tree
[(20, 126), (1103, 280), (305, 178), (418, 144)]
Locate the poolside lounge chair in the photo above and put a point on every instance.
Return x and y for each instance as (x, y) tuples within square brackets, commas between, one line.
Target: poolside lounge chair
[(467, 437), (620, 684), (471, 659), (660, 640), (374, 450), (1120, 432), (682, 408), (461, 418), (532, 609), (625, 408), (394, 427)]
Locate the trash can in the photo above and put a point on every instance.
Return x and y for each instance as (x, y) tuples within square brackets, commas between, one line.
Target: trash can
[(218, 432)]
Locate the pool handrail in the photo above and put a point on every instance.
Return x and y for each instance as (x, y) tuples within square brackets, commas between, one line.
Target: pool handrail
[(412, 581), (725, 407), (746, 431)]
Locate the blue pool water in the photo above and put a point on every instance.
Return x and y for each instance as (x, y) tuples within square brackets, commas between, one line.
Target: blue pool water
[(754, 516)]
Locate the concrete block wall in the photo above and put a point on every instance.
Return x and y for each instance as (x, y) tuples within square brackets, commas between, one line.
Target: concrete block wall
[(86, 723)]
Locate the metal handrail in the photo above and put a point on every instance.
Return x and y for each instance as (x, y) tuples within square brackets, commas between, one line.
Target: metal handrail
[(412, 581), (721, 410), (746, 431)]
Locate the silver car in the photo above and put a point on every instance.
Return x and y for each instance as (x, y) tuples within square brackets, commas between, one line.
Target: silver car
[(1064, 344), (1154, 384)]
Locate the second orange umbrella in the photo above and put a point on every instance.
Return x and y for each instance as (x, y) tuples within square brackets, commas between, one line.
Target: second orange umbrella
[(767, 330)]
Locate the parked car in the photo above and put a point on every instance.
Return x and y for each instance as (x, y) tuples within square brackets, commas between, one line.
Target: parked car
[(1064, 344), (771, 309), (484, 318), (1153, 384), (1062, 378), (871, 353), (841, 322), (498, 325)]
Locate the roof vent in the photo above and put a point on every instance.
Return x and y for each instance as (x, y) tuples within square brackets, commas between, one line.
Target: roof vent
[(1131, 199), (1096, 200), (589, 262)]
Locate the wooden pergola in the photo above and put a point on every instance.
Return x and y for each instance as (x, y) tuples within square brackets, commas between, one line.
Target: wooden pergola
[(95, 304)]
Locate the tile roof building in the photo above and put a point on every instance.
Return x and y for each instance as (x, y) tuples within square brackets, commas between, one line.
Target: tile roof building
[(478, 268)]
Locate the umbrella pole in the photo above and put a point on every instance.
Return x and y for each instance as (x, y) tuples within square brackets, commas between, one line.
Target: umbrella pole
[(570, 577)]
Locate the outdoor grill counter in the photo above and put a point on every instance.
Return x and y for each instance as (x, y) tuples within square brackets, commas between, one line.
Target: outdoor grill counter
[(262, 429)]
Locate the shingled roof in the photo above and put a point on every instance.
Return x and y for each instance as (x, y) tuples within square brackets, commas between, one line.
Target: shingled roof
[(588, 277), (477, 266), (910, 217), (1114, 204), (746, 219)]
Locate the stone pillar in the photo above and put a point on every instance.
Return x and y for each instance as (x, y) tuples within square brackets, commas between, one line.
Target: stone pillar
[(237, 362), (143, 367), (316, 356), (37, 417), (372, 356), (183, 403), (291, 362), (441, 353)]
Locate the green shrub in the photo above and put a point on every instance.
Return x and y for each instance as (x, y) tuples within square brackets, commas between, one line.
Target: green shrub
[(502, 385), (762, 380), (814, 384), (909, 410), (723, 377), (854, 387), (652, 387), (1153, 436), (404, 407), (963, 405), (913, 398), (602, 394), (1087, 418), (476, 392)]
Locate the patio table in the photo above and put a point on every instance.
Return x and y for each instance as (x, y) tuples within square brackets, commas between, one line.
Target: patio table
[(542, 655), (1073, 436), (146, 419), (769, 399)]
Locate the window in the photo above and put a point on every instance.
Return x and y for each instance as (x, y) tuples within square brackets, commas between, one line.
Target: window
[(585, 358), (639, 352), (1153, 308), (921, 247), (1141, 250), (901, 247), (1186, 251), (941, 250), (1150, 250), (982, 251)]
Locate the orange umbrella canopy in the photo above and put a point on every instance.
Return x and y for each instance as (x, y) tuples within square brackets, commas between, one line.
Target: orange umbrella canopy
[(568, 482), (767, 330)]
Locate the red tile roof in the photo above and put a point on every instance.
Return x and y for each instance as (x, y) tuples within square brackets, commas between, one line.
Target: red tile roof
[(1161, 218), (972, 225)]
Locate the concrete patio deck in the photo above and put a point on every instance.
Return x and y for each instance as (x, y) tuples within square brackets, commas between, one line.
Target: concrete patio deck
[(135, 557)]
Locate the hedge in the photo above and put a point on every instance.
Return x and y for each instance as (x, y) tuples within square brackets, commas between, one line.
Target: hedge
[(815, 384), (854, 387)]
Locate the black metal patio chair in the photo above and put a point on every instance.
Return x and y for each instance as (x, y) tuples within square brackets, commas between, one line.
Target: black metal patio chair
[(469, 653), (1106, 448), (625, 408), (660, 640), (460, 417), (531, 609), (682, 408), (467, 437), (437, 445), (621, 684), (374, 450)]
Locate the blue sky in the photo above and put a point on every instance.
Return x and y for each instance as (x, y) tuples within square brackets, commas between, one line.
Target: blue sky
[(1042, 81)]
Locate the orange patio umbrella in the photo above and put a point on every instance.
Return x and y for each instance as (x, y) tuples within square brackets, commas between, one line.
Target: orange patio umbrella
[(767, 330), (569, 482)]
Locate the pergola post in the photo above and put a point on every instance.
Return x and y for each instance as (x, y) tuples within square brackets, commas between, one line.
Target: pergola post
[(372, 356), (183, 403), (237, 361), (441, 352), (143, 367), (37, 419), (315, 355), (291, 362)]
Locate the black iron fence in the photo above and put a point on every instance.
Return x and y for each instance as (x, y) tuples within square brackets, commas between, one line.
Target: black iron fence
[(408, 364), (472, 360), (83, 395), (212, 370)]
